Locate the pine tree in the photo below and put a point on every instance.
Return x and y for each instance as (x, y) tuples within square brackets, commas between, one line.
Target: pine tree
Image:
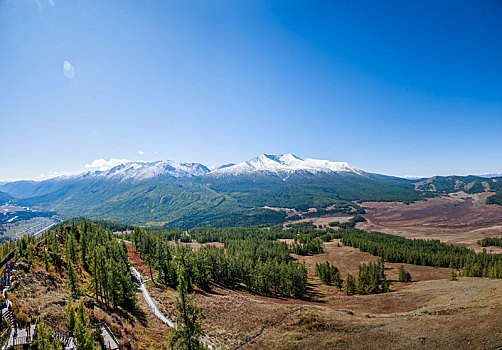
[(453, 275), (337, 280), (72, 278), (71, 315), (188, 331), (83, 335), (349, 287), (404, 276), (45, 340)]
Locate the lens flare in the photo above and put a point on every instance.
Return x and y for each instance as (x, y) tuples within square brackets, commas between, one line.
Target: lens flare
[(68, 70)]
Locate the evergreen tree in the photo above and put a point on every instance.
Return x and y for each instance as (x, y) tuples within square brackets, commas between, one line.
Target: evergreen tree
[(71, 316), (349, 287), (188, 331), (371, 278), (328, 273), (72, 278), (404, 276), (453, 275), (45, 340), (83, 335)]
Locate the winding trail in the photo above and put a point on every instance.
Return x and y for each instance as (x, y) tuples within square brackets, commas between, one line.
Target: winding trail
[(149, 299), (154, 308)]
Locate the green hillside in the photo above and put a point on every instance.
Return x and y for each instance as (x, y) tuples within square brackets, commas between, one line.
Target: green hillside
[(236, 200), (495, 199), (469, 184), (218, 201), (177, 203), (5, 197)]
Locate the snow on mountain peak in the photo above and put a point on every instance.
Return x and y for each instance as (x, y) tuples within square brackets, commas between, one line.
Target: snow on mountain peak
[(282, 165), (286, 164), (143, 170)]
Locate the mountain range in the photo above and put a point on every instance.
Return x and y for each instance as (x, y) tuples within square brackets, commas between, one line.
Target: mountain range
[(191, 194)]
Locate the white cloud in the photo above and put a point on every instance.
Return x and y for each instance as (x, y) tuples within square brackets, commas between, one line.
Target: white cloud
[(50, 175), (102, 164), (141, 152)]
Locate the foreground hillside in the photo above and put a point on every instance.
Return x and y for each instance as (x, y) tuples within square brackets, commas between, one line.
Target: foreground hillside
[(292, 287), (431, 312)]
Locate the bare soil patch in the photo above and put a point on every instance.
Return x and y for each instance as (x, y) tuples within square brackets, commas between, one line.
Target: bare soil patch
[(323, 220)]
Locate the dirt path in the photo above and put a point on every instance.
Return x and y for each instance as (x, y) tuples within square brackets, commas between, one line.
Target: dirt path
[(153, 307)]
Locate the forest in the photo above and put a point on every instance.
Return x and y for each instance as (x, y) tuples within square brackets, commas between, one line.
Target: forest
[(491, 241), (96, 250), (261, 266), (424, 252), (495, 199)]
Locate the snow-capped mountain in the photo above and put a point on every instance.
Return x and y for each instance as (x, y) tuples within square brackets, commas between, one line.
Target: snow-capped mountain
[(278, 165), (284, 165), (192, 194), (142, 170)]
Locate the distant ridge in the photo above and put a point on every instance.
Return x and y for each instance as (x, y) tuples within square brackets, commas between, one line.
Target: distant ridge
[(280, 165), (285, 164), (190, 195)]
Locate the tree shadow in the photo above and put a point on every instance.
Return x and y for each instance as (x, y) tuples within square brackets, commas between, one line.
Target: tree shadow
[(312, 295), (131, 310), (140, 315)]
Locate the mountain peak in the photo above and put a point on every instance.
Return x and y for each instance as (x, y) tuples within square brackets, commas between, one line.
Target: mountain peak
[(144, 170), (284, 165)]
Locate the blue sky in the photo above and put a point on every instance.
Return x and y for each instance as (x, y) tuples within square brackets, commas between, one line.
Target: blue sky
[(403, 88)]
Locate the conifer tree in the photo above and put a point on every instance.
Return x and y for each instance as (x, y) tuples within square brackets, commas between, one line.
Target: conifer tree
[(349, 287), (45, 340), (188, 331), (71, 316), (404, 276), (83, 335), (72, 278)]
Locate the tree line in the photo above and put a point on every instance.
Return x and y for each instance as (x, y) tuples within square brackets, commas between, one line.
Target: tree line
[(262, 266), (424, 252), (491, 241)]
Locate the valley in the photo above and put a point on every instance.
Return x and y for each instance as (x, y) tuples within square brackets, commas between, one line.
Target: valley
[(242, 308), (423, 313), (458, 218), (246, 244), (17, 221), (250, 175)]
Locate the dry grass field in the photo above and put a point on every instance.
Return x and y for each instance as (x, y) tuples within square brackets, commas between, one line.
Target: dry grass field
[(323, 220), (459, 219), (429, 313)]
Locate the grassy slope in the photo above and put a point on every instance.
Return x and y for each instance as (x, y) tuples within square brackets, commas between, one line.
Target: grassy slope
[(469, 184)]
